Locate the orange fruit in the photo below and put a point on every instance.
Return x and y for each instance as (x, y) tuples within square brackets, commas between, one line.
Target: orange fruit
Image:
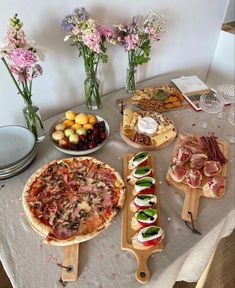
[(88, 126), (68, 123), (81, 119), (91, 119)]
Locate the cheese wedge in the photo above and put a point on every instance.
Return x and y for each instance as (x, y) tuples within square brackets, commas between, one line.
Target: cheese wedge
[(127, 116), (164, 137), (163, 129), (134, 119)]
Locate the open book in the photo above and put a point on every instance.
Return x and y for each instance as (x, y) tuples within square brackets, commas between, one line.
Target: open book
[(192, 88)]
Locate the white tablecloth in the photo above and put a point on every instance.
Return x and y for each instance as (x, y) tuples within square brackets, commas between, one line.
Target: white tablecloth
[(31, 264)]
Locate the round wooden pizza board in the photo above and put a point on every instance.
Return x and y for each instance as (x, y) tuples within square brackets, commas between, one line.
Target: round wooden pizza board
[(70, 262), (142, 146)]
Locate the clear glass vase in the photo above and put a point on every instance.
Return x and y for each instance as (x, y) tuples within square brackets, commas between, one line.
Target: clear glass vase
[(92, 92), (130, 80), (34, 121)]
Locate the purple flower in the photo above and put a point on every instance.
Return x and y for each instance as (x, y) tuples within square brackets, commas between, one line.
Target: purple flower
[(38, 69), (82, 14), (23, 57), (131, 41), (68, 23)]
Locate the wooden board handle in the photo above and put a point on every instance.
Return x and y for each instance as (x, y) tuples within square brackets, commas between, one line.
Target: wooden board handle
[(70, 260), (142, 274), (191, 203)]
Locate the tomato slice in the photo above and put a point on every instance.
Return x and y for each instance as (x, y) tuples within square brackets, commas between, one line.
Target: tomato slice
[(152, 242), (143, 163), (147, 224), (149, 190)]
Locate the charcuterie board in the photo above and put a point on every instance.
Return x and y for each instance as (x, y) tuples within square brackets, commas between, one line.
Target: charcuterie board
[(130, 132), (159, 99), (193, 195), (142, 274)]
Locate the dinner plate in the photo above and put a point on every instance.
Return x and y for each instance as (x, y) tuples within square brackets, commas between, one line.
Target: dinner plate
[(16, 145), (19, 168)]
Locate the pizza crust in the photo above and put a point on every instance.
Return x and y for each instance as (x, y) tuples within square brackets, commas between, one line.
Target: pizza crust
[(44, 230)]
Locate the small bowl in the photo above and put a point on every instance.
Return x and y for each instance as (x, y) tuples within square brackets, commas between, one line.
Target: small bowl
[(211, 103), (79, 152)]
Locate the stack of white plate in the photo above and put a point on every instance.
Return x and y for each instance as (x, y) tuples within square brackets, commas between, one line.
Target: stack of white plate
[(17, 150)]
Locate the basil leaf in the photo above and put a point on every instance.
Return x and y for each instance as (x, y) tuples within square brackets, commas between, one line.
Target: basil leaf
[(142, 170), (146, 214), (151, 232), (143, 197), (150, 212), (144, 182), (140, 156)]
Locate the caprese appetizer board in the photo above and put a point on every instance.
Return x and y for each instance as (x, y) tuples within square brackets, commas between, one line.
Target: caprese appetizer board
[(199, 169), (141, 230)]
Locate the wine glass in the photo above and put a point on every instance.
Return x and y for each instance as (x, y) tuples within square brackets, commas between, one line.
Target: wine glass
[(212, 104), (227, 91)]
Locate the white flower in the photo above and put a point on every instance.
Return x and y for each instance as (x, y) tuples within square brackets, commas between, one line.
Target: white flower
[(66, 38), (37, 49)]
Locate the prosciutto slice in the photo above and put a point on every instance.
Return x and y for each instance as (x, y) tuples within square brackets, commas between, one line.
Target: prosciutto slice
[(215, 186), (178, 172), (182, 156), (194, 178), (197, 161), (192, 143), (212, 168)]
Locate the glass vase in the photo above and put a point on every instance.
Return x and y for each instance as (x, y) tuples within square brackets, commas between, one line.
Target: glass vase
[(34, 121), (130, 80), (92, 92)]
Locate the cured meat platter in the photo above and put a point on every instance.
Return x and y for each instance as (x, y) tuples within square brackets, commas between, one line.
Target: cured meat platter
[(211, 185), (159, 99), (128, 233), (147, 130)]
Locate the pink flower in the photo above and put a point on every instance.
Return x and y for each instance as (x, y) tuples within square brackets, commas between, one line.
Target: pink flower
[(22, 73), (132, 41), (23, 57), (106, 32), (93, 41), (15, 39), (153, 35)]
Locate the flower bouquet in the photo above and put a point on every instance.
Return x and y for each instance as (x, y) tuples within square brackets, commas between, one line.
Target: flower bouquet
[(20, 58), (90, 39), (136, 39)]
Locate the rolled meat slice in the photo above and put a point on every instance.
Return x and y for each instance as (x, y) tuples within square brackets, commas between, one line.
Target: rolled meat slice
[(182, 156), (215, 186), (197, 161), (194, 178), (212, 168), (178, 172)]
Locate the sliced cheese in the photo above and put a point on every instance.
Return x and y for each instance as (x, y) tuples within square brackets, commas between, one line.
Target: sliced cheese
[(165, 128), (127, 116), (164, 137)]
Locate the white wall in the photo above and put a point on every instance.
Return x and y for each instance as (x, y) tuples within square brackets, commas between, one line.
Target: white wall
[(223, 63), (230, 12), (187, 46)]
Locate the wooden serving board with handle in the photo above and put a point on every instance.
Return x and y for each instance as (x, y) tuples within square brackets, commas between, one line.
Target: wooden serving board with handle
[(142, 274), (193, 195), (71, 261)]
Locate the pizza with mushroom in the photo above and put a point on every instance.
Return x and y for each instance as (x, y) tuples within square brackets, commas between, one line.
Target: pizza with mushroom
[(71, 200)]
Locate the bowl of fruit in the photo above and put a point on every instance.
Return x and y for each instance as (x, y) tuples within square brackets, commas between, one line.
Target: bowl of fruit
[(79, 133)]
